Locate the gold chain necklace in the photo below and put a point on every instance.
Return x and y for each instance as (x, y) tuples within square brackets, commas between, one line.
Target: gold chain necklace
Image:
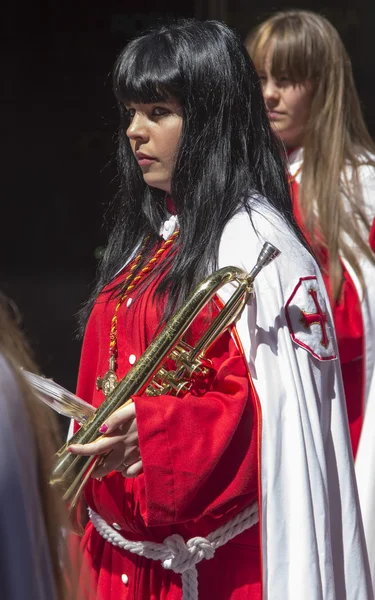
[(109, 381)]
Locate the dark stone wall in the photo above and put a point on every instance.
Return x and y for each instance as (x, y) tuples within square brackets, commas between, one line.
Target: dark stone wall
[(58, 119)]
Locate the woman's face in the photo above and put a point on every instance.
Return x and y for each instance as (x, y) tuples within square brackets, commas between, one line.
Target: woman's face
[(288, 105), (154, 134)]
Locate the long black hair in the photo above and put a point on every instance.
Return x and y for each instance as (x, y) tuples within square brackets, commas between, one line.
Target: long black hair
[(227, 154)]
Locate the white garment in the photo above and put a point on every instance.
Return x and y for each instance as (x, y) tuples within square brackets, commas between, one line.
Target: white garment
[(169, 226), (312, 536), (367, 180), (365, 459)]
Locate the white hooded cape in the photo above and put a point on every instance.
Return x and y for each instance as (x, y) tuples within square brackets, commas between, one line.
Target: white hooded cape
[(365, 459), (312, 536)]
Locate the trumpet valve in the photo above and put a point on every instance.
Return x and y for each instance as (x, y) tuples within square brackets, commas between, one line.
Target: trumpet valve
[(200, 367), (196, 367), (158, 384), (174, 381), (167, 382), (173, 388)]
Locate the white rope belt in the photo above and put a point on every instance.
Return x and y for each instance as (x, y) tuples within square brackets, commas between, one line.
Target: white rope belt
[(177, 555)]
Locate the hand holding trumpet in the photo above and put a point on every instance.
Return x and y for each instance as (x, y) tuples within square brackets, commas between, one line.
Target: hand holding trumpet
[(118, 445)]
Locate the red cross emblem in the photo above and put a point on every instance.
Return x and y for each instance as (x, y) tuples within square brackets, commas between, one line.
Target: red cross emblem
[(317, 318), (306, 307)]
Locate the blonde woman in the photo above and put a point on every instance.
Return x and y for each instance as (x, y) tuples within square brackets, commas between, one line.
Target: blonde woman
[(31, 516), (312, 103)]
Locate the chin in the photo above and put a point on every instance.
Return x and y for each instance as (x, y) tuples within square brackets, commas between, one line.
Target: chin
[(158, 184), (291, 139)]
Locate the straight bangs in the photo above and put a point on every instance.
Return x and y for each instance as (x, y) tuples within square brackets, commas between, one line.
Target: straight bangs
[(146, 71), (289, 48)]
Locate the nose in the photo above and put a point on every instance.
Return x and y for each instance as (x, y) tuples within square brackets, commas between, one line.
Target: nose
[(138, 129), (271, 93)]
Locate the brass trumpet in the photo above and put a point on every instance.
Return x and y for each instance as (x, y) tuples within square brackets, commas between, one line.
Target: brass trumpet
[(149, 376)]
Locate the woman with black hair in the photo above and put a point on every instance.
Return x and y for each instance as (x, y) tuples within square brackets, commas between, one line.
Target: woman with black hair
[(174, 504)]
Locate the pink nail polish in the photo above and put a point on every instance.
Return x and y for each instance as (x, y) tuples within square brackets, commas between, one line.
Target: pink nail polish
[(103, 428), (70, 449)]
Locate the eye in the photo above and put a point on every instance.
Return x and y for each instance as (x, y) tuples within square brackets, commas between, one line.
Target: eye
[(263, 79), (284, 80), (160, 111), (129, 113)]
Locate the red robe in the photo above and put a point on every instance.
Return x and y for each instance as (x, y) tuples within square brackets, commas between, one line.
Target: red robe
[(372, 236), (347, 316), (200, 468)]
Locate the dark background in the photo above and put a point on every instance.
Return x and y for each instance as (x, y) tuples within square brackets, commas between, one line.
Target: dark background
[(57, 122)]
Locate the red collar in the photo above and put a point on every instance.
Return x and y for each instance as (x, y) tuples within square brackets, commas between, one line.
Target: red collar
[(170, 205), (290, 151)]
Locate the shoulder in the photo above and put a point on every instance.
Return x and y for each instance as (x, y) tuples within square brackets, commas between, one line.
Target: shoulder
[(286, 290), (365, 169), (244, 236), (365, 177)]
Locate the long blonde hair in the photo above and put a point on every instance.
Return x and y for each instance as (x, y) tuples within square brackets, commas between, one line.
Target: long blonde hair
[(46, 441), (307, 48)]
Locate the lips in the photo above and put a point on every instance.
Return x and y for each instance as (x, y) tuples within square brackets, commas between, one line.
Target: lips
[(144, 159), (274, 115)]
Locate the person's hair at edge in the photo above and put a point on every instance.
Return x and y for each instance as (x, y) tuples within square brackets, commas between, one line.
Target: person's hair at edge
[(228, 157), (306, 47), (47, 440)]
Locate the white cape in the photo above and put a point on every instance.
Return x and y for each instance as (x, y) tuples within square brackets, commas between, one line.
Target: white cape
[(365, 459), (312, 536)]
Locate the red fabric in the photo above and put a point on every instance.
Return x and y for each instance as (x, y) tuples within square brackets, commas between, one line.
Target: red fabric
[(347, 316), (170, 205), (200, 461), (372, 236)]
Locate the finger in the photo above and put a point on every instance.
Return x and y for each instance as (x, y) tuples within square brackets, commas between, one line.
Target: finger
[(117, 461), (134, 470), (100, 446), (108, 464), (119, 417), (130, 457), (130, 436)]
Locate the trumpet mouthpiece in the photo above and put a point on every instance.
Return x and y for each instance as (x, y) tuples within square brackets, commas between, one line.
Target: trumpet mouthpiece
[(267, 255)]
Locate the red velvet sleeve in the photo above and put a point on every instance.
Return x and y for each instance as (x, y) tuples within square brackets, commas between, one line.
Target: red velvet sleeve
[(199, 452), (372, 236)]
